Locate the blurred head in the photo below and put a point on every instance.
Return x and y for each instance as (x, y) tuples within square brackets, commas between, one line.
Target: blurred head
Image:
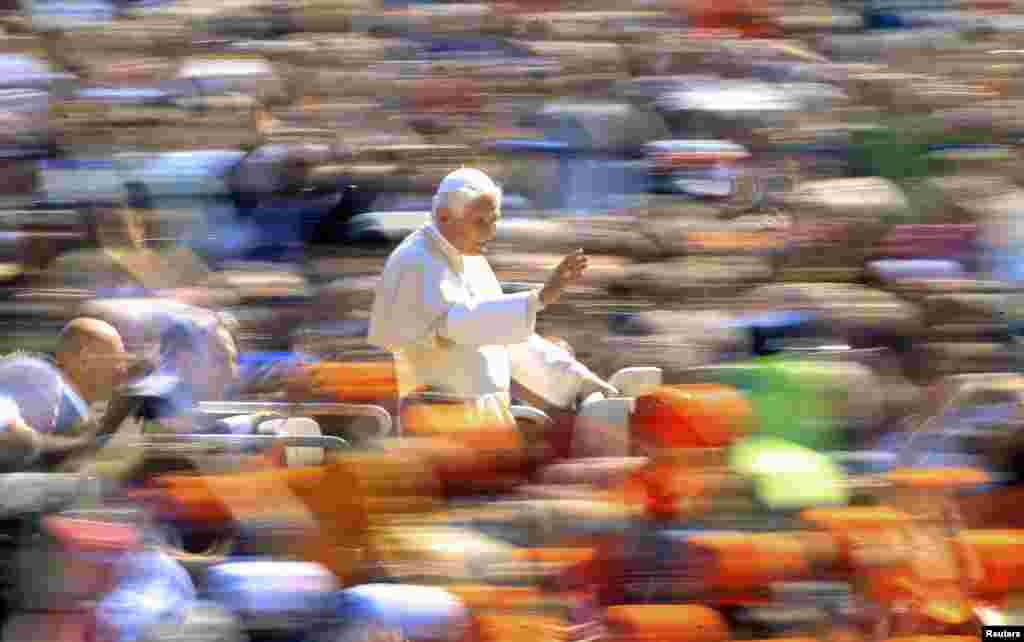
[(466, 209), (203, 355), (92, 356), (119, 227), (137, 196)]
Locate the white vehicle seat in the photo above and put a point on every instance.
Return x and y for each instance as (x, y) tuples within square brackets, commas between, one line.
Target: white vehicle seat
[(297, 456), (634, 382)]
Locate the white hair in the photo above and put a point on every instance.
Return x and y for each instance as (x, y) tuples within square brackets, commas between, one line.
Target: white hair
[(461, 188)]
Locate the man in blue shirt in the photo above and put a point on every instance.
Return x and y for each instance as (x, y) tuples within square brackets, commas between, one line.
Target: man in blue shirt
[(198, 362)]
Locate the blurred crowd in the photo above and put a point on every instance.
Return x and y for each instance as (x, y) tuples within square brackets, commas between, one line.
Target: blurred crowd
[(799, 310)]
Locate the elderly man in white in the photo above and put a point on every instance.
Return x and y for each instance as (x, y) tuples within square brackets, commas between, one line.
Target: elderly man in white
[(440, 309)]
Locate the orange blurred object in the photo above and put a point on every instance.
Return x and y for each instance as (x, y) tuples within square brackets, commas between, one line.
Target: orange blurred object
[(998, 508), (486, 597), (926, 581), (471, 449), (691, 416), (938, 479), (668, 490), (349, 382), (336, 505), (566, 556), (747, 562), (851, 525), (903, 561), (519, 627), (665, 623), (869, 518), (1001, 557)]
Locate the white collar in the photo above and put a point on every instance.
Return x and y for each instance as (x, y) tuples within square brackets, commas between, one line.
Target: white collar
[(453, 255)]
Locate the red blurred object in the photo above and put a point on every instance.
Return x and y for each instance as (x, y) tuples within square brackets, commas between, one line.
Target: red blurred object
[(748, 18), (90, 551), (691, 416), (89, 536), (668, 162), (1000, 555), (66, 626), (955, 242), (669, 490)]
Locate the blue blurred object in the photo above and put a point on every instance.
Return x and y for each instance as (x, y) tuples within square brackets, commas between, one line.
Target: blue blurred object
[(771, 331), (629, 324), (275, 595), (542, 146), (420, 612), (281, 224), (46, 401), (866, 462), (48, 15), (160, 396), (152, 589), (255, 368), (885, 14)]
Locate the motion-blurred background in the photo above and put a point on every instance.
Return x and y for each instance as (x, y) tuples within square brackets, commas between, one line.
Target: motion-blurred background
[(707, 155), (840, 181)]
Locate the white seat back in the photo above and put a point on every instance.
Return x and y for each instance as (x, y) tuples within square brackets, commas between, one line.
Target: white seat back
[(602, 428), (529, 413), (297, 456), (634, 382)]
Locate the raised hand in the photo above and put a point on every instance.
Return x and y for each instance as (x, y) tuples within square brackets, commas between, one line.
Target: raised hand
[(568, 272)]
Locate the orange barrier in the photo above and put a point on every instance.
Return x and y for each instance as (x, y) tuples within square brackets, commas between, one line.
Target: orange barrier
[(692, 416), (665, 623)]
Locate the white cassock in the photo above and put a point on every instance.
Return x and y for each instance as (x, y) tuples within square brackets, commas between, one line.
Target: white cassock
[(452, 329)]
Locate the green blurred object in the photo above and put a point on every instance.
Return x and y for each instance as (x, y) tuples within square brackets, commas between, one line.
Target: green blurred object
[(787, 476), (794, 399)]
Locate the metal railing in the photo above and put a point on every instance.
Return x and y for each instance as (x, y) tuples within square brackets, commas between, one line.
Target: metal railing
[(221, 409), (211, 444)]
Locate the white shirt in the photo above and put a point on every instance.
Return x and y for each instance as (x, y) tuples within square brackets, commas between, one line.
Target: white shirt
[(452, 328)]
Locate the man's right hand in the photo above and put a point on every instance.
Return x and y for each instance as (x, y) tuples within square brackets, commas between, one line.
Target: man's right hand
[(567, 273)]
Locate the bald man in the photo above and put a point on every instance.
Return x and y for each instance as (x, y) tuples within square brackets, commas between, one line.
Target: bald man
[(59, 410), (93, 359)]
